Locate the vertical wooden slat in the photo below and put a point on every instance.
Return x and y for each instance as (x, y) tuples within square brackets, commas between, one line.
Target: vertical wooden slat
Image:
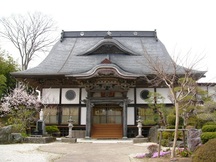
[(107, 131)]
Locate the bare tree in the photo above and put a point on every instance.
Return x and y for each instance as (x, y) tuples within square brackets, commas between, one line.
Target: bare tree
[(29, 33), (181, 82)]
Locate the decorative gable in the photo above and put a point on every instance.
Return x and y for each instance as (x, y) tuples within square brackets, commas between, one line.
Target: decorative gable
[(106, 61), (108, 46)]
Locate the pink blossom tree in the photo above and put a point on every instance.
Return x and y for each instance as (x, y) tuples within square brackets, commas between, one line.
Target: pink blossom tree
[(20, 106)]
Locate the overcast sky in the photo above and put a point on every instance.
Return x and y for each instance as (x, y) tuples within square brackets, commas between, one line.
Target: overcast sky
[(184, 26)]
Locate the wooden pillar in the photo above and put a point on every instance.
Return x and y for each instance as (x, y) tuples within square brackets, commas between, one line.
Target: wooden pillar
[(125, 119), (184, 139), (159, 147), (89, 106)]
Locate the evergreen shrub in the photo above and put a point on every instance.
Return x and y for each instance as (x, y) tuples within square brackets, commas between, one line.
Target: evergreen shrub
[(52, 129), (200, 123), (165, 142), (210, 123), (209, 128), (167, 135), (206, 136), (149, 122), (171, 120), (192, 120), (206, 152)]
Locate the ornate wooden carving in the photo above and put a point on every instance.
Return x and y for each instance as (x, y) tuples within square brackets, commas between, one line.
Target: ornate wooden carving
[(107, 87)]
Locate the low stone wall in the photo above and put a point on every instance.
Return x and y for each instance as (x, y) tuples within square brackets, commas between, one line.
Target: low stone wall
[(39, 139), (140, 140), (69, 140), (78, 133)]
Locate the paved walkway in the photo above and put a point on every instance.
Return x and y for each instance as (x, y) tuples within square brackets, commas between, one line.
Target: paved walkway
[(95, 150)]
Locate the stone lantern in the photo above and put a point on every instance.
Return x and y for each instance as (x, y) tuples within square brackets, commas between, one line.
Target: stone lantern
[(139, 126), (69, 138), (70, 126)]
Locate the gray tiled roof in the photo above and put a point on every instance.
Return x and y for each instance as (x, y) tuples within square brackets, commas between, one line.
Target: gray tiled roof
[(72, 54)]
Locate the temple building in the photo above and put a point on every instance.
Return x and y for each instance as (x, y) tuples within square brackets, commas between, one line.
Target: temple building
[(99, 78)]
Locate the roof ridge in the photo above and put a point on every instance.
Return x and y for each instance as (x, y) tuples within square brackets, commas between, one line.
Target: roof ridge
[(75, 34)]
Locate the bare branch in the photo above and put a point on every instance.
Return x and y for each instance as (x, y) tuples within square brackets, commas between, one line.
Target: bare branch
[(180, 80), (29, 34)]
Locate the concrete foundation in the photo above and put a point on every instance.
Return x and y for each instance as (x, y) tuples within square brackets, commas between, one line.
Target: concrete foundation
[(39, 139), (140, 140), (69, 140)]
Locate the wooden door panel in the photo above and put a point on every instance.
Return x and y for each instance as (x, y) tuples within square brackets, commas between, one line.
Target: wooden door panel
[(107, 131)]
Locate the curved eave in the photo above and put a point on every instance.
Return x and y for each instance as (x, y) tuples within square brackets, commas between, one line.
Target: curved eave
[(103, 68), (200, 74), (108, 41), (34, 75)]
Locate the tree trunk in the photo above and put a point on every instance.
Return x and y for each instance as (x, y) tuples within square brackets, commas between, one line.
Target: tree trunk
[(176, 130)]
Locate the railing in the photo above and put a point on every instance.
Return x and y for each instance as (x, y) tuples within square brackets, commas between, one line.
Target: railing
[(170, 130)]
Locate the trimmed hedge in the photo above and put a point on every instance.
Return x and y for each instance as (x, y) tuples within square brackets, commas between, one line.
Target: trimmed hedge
[(52, 129), (206, 152), (205, 136), (210, 123), (209, 128)]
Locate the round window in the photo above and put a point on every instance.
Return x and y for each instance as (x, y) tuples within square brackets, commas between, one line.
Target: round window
[(70, 94), (144, 94)]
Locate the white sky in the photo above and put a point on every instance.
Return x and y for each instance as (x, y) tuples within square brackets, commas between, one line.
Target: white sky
[(182, 25)]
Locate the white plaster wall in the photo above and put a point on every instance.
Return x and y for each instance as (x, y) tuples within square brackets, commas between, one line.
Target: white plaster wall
[(165, 93), (84, 94), (139, 100), (50, 95), (83, 116), (130, 95), (130, 116), (203, 88), (64, 100), (212, 92)]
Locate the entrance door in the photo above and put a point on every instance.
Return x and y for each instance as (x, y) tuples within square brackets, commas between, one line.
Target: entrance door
[(107, 121)]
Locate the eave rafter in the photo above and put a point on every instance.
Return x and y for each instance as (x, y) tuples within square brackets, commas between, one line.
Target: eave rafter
[(41, 82), (105, 70)]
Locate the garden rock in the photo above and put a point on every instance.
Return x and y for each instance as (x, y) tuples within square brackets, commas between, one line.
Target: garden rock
[(16, 138), (193, 138), (153, 134), (5, 134)]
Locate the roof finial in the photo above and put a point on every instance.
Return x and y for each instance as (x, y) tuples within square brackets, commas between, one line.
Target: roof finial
[(62, 36), (109, 35), (156, 35)]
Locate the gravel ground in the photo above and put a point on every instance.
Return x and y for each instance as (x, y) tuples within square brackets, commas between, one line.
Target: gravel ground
[(58, 151), (25, 153), (83, 151)]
